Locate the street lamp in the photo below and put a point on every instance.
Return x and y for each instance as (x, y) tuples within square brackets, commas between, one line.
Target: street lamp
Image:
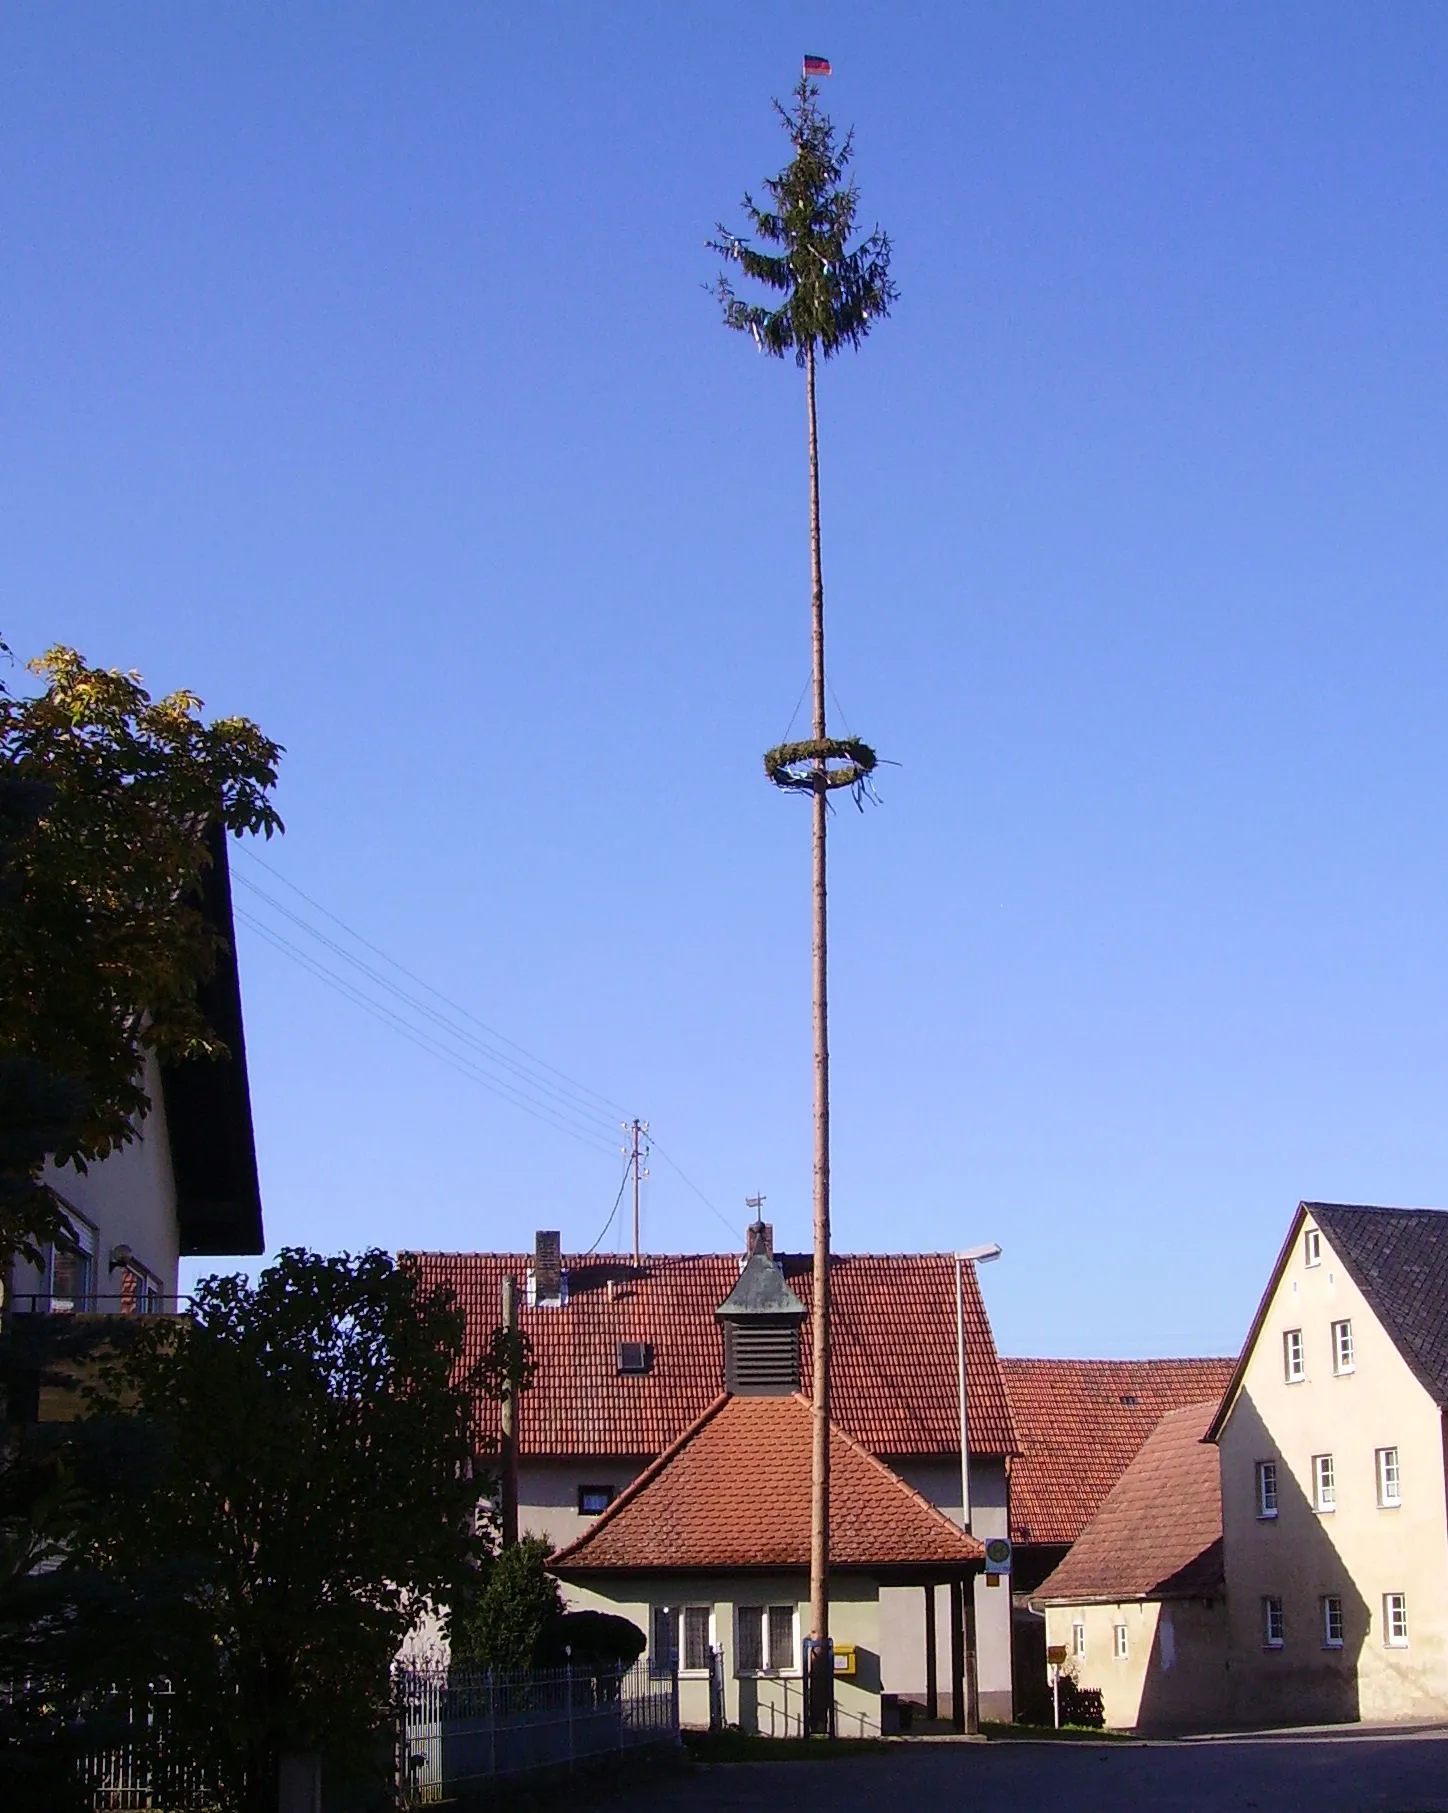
[(973, 1255)]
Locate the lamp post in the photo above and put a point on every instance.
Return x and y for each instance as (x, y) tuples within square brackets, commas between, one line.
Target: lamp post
[(962, 1594)]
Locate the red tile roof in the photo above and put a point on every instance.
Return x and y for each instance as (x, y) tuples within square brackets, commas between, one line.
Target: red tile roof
[(1081, 1423), (1159, 1533), (893, 1374), (734, 1492)]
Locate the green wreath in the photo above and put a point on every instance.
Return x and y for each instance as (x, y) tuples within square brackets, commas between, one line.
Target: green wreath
[(821, 764)]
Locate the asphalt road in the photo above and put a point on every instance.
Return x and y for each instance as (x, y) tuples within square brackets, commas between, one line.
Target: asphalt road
[(1365, 1773)]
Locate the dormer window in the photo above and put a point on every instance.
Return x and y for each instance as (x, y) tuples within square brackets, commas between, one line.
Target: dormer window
[(635, 1356), (1312, 1247)]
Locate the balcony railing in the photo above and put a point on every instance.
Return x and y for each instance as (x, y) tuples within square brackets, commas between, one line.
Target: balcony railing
[(96, 1303)]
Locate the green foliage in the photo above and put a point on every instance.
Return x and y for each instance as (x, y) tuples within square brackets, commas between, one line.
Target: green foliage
[(315, 1496), (593, 1640), (504, 1622), (507, 1365), (832, 293), (805, 767), (105, 799)]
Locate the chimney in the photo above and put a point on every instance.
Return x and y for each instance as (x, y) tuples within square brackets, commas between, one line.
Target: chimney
[(547, 1266), (759, 1239)]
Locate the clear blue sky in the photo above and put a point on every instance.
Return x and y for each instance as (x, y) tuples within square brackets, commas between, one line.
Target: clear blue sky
[(357, 372)]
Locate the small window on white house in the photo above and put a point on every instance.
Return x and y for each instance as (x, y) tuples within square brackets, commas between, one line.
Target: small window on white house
[(73, 1266), (1390, 1482), (1274, 1629), (1395, 1620), (664, 1642), (1078, 1640), (1120, 1644), (1332, 1622), (1342, 1360), (698, 1620), (594, 1500), (1294, 1362), (1324, 1483), (635, 1356), (764, 1639), (1312, 1247), (1266, 1488)]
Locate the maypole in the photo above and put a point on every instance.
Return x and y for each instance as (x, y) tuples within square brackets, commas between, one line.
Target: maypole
[(832, 295)]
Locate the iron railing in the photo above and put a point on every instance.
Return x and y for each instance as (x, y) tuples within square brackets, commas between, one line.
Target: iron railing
[(464, 1724)]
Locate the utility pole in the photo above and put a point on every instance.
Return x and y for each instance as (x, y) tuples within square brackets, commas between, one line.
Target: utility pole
[(508, 1509), (640, 1131)]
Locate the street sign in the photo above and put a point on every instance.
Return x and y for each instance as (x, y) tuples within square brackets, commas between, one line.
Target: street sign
[(997, 1555), (1055, 1654)]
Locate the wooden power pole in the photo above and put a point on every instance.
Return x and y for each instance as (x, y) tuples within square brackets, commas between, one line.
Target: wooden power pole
[(508, 1492)]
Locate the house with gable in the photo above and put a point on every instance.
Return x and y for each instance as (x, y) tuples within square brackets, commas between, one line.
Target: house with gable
[(1332, 1442), (630, 1357), (1138, 1603), (187, 1185)]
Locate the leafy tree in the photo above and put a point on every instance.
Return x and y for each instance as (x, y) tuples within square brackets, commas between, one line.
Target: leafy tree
[(831, 294), (106, 796), (315, 1496), (505, 1622)]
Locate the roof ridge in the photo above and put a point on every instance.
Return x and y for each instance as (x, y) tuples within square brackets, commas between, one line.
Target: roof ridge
[(635, 1486), (901, 1485)]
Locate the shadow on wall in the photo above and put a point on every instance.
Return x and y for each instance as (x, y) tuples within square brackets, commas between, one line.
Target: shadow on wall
[(1292, 1558)]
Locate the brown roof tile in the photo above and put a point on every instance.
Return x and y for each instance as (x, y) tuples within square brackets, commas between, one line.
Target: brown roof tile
[(892, 1380), (1159, 1533), (734, 1492), (1080, 1425)]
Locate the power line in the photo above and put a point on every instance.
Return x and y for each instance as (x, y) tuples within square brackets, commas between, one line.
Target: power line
[(417, 1036), (613, 1107), (693, 1186), (622, 1183), (569, 1103)]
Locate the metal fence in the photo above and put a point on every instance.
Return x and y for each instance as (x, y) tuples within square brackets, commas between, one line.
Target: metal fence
[(462, 1725), (142, 1767)]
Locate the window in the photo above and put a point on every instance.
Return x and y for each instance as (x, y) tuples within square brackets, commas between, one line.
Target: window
[(1342, 1348), (1332, 1622), (1078, 1640), (1294, 1365), (1312, 1247), (1119, 1642), (1274, 1631), (1266, 1488), (765, 1639), (664, 1642), (635, 1356), (73, 1266), (1389, 1480), (1395, 1620), (1324, 1483), (594, 1499), (698, 1620)]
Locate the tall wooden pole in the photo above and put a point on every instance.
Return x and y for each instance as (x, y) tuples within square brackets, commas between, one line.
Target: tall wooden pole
[(822, 1678), (508, 1493)]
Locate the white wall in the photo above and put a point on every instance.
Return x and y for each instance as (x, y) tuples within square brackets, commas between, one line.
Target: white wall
[(902, 1608), (130, 1200), (548, 1494)]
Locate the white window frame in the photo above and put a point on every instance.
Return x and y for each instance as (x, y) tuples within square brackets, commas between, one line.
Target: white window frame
[(771, 1670), (1294, 1356), (1395, 1620), (1274, 1625), (1332, 1616), (1343, 1351), (689, 1671), (1324, 1484), (588, 1488), (84, 1238), (1078, 1639), (1312, 1247), (1390, 1478), (1266, 1476), (662, 1668), (1120, 1642)]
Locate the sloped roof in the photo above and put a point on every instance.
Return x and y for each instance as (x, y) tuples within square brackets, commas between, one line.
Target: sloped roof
[(892, 1379), (1158, 1535), (1081, 1423), (1398, 1258), (734, 1492)]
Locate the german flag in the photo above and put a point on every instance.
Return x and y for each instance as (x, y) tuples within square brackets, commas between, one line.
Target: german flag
[(817, 66)]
